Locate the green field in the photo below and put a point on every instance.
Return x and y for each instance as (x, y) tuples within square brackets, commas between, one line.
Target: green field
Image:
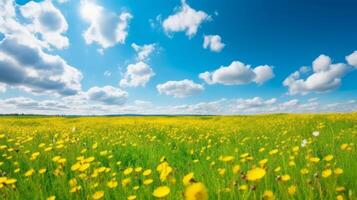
[(232, 157)]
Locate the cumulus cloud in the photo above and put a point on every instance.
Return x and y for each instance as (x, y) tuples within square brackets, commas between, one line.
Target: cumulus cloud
[(143, 51), (26, 66), (180, 89), (185, 19), (213, 42), (48, 21), (325, 77), (237, 73), (254, 102), (108, 95), (106, 28), (137, 74), (24, 63), (2, 87), (352, 59)]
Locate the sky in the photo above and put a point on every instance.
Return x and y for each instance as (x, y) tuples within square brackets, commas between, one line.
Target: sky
[(99, 57)]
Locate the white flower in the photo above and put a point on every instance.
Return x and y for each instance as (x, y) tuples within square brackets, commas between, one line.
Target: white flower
[(316, 133), (303, 143)]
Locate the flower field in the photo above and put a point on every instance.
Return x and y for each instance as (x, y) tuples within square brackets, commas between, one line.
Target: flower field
[(199, 157)]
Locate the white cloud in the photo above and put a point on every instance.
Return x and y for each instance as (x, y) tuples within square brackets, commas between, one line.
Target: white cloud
[(143, 51), (180, 89), (107, 95), (2, 87), (352, 59), (238, 73), (137, 74), (254, 102), (106, 28), (26, 66), (48, 21), (62, 1), (325, 77), (185, 19), (107, 73), (213, 42)]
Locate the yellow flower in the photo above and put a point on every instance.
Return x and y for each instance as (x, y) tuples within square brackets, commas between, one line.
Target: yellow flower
[(128, 171), (340, 189), (338, 171), (147, 172), (76, 166), (84, 167), (42, 171), (339, 197), (274, 151), (72, 182), (29, 172), (126, 181), (243, 187), (187, 179), (196, 191), (285, 177), (326, 173), (268, 194), (292, 189), (255, 174), (75, 189), (161, 192), (263, 162), (148, 181), (236, 169), (112, 184), (98, 195), (138, 169), (304, 171), (344, 146), (131, 197), (328, 158), (51, 198), (227, 158), (10, 181), (314, 159)]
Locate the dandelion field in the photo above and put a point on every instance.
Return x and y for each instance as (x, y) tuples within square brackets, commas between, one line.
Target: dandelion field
[(199, 157)]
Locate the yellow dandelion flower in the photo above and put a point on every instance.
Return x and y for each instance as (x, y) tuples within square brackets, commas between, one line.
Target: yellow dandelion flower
[(148, 181), (126, 181), (29, 173), (273, 152), (84, 167), (285, 177), (339, 197), (98, 195), (243, 187), (196, 191), (328, 157), (128, 171), (10, 181), (138, 169), (147, 172), (51, 198), (314, 159), (131, 197), (344, 146), (42, 170), (277, 169), (187, 179), (76, 166), (112, 184), (236, 169), (268, 194), (255, 174), (304, 171), (292, 189), (161, 192), (72, 182), (75, 189), (338, 171), (326, 173), (227, 158)]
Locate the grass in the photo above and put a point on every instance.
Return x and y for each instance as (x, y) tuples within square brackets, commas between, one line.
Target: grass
[(209, 147)]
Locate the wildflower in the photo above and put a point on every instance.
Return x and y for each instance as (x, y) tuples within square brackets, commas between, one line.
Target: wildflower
[(128, 171), (255, 174), (243, 187), (285, 177), (148, 181), (131, 197), (196, 191), (29, 173), (303, 143), (98, 195), (268, 194), (126, 181), (112, 184), (236, 169), (316, 133), (339, 197), (42, 171), (147, 172), (51, 198), (304, 171), (187, 179), (292, 189), (326, 173), (227, 158), (338, 171), (328, 158), (161, 192)]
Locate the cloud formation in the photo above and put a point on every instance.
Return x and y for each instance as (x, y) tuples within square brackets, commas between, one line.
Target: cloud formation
[(352, 59), (106, 28), (48, 21), (144, 51), (213, 42), (237, 73), (185, 19), (107, 95), (180, 89), (325, 77), (137, 74)]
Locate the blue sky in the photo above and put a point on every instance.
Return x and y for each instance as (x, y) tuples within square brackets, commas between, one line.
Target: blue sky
[(254, 56)]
